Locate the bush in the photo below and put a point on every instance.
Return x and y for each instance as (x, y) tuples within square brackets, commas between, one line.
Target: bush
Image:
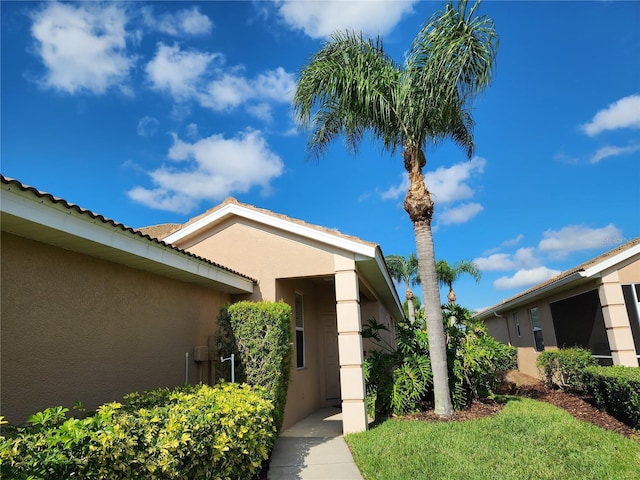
[(476, 360), (399, 382), (564, 367), (222, 432), (617, 390), (262, 332)]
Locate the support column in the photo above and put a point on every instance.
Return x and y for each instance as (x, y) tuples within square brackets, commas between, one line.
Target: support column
[(350, 350), (616, 321)]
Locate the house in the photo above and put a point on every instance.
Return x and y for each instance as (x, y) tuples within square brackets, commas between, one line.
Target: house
[(595, 305), (93, 309)]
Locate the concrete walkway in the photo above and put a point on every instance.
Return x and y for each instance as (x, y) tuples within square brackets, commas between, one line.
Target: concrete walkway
[(313, 449)]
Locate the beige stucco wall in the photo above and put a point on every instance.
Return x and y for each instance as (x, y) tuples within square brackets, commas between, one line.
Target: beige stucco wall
[(527, 355), (630, 271), (285, 264), (79, 328), (261, 253)]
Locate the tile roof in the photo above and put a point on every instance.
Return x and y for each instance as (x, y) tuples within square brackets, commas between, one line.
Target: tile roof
[(567, 273), (10, 182), (230, 200)]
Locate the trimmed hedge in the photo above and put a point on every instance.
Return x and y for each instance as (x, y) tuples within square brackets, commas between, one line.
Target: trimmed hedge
[(262, 335), (221, 432), (617, 390), (564, 367)]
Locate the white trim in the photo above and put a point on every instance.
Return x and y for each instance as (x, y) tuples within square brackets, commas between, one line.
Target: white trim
[(94, 234), (612, 261), (276, 222)]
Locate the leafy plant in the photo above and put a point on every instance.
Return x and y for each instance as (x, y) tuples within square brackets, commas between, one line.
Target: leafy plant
[(616, 389), (203, 432), (564, 367), (476, 359), (262, 332)]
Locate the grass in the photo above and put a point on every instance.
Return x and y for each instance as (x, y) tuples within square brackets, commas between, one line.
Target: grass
[(528, 439)]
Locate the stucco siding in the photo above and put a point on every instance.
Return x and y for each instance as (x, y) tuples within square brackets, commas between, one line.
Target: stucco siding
[(262, 253), (79, 328), (630, 273)]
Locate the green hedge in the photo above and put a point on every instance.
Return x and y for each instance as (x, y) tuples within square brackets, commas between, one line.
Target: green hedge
[(617, 390), (221, 432), (262, 335), (564, 367)]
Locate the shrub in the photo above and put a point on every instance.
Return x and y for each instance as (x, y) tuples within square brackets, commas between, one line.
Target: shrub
[(262, 332), (617, 390), (564, 367), (398, 382), (476, 360), (220, 432)]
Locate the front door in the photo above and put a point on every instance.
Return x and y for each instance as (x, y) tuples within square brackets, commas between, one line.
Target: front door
[(331, 358)]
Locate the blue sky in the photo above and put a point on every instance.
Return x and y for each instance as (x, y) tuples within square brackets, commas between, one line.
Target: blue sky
[(153, 112)]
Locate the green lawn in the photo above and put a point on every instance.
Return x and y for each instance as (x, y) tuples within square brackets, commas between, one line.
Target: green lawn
[(526, 440)]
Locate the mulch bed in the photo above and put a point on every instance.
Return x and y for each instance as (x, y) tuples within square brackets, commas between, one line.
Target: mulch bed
[(581, 408)]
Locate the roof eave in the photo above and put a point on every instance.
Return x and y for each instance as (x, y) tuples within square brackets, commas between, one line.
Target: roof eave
[(27, 215)]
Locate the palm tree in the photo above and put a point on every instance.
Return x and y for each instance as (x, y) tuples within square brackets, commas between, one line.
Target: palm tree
[(405, 270), (352, 87), (448, 274)]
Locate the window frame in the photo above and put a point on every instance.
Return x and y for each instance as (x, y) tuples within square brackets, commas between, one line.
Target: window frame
[(516, 324), (300, 344), (536, 345)]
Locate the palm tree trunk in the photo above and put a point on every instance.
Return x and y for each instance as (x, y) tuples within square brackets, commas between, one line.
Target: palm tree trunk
[(419, 206), (412, 311), (433, 311)]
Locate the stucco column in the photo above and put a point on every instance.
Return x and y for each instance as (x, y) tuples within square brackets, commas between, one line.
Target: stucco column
[(616, 321), (350, 351)]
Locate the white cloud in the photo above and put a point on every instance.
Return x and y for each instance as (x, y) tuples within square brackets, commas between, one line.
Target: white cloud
[(459, 214), (446, 184), (147, 126), (523, 258), (178, 72), (321, 19), (572, 238), (613, 151), (183, 22), (625, 113), (230, 91), (394, 192), (450, 184), (83, 46), (210, 169), (525, 278)]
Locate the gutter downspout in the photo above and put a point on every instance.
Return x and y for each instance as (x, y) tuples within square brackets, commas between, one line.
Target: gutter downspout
[(506, 323)]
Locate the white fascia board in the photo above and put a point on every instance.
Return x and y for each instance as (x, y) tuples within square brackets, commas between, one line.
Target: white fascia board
[(612, 261), (58, 217), (508, 305), (382, 265), (276, 222)]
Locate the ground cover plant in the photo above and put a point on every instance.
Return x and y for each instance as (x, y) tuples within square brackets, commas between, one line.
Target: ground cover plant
[(525, 439)]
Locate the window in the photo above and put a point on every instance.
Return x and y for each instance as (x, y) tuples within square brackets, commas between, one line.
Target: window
[(516, 324), (299, 331), (536, 326)]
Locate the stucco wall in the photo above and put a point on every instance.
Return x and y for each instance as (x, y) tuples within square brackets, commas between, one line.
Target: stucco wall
[(630, 273), (79, 328), (262, 253)]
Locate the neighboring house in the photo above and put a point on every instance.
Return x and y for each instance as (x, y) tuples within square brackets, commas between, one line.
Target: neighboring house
[(92, 309), (595, 305)]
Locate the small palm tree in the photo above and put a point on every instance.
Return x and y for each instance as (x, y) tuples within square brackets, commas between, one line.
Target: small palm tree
[(448, 274), (352, 87), (405, 270)]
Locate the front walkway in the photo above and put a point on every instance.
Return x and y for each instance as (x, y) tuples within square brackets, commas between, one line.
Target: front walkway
[(313, 449)]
